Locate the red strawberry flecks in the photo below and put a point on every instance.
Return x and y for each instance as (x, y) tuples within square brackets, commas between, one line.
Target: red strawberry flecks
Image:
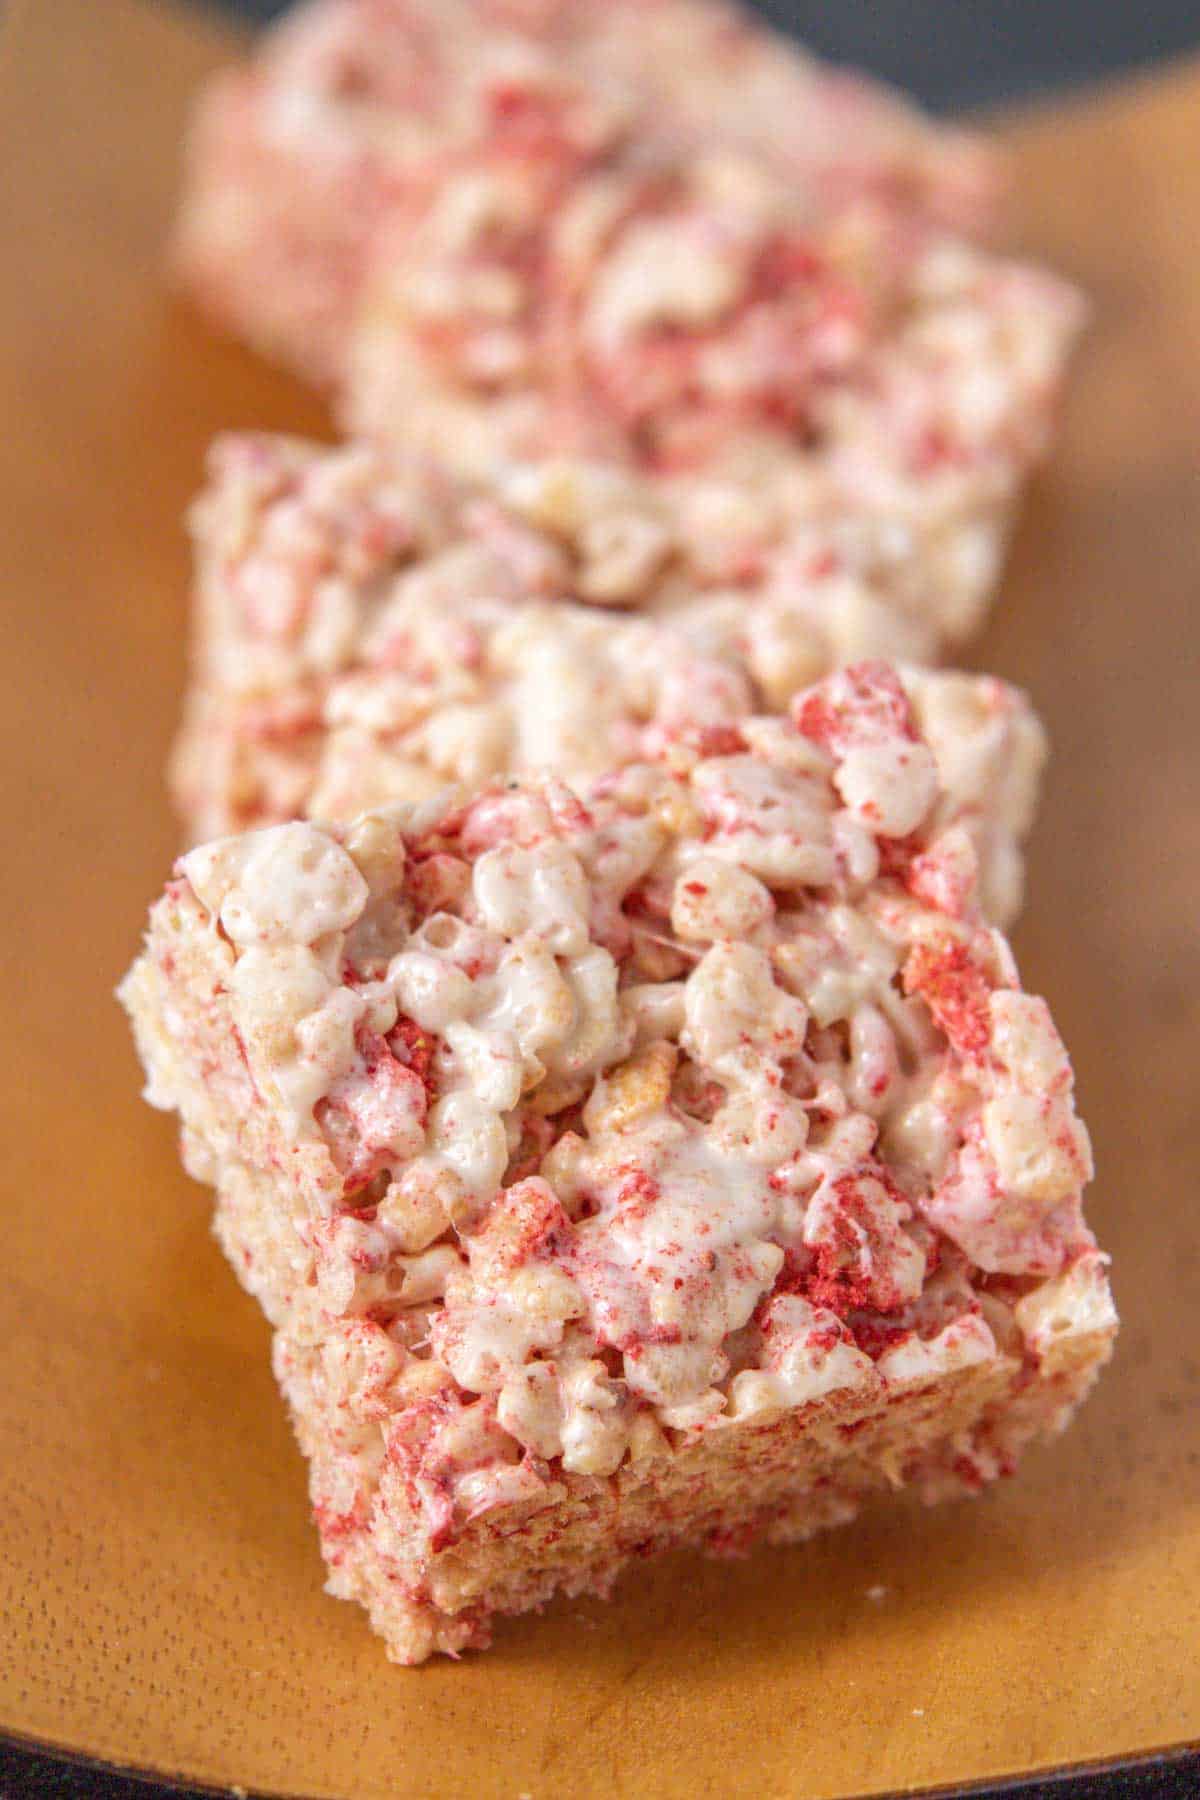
[(856, 1256), (716, 740), (374, 1116), (435, 881), (896, 856), (792, 1278), (527, 1223), (638, 1192), (956, 991), (635, 1343), (416, 1049), (568, 810), (824, 1339), (838, 1284), (530, 124), (824, 1335), (784, 260), (969, 1473), (873, 1335), (427, 1479), (334, 1526), (816, 718), (942, 878), (936, 448), (864, 701)]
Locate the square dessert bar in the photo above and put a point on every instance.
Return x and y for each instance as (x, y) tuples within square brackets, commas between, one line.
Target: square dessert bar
[(346, 113), (365, 633), (692, 310), (841, 393), (676, 1161), (552, 236)]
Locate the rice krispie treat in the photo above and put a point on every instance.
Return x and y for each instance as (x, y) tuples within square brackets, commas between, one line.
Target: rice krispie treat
[(693, 309), (348, 111), (678, 1165), (365, 636), (654, 235), (692, 317)]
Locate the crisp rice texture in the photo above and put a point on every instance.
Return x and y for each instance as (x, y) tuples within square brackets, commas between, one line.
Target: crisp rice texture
[(366, 632), (350, 110), (656, 234), (675, 1161)]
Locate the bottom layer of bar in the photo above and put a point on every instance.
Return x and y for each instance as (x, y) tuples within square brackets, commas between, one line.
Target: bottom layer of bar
[(943, 1425)]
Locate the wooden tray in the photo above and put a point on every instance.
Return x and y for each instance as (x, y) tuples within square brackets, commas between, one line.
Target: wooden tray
[(159, 1581)]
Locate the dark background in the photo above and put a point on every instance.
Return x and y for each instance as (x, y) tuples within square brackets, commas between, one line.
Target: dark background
[(962, 53)]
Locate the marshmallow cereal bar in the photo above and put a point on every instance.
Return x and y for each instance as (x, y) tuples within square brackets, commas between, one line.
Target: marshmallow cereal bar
[(692, 315), (680, 1163), (365, 635), (347, 112), (693, 311), (550, 236)]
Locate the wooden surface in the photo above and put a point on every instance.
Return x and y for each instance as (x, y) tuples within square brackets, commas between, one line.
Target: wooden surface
[(159, 1582)]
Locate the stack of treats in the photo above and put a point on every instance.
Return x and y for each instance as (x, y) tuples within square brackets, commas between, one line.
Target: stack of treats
[(586, 994)]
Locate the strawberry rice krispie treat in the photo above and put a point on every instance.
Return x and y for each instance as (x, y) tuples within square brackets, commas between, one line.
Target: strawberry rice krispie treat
[(347, 113), (365, 635), (694, 316), (651, 234), (678, 1164)]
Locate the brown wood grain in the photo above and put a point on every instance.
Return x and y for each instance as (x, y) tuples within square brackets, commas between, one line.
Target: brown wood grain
[(160, 1586)]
